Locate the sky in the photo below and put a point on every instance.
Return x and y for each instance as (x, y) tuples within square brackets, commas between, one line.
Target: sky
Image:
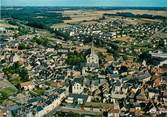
[(136, 3)]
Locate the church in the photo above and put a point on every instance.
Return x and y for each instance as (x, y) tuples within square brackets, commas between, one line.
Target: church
[(92, 62)]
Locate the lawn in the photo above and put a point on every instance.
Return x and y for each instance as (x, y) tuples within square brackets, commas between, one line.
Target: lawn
[(39, 91), (7, 91)]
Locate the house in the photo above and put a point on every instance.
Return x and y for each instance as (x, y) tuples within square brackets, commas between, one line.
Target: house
[(159, 55), (1, 75), (152, 92), (143, 76), (59, 81), (117, 96), (163, 63), (29, 85), (114, 113), (153, 110), (162, 69), (117, 86), (73, 73), (35, 100), (165, 99), (76, 98), (1, 113), (69, 100), (16, 58), (124, 88), (163, 80), (141, 97), (14, 111), (136, 112), (50, 92), (54, 102)]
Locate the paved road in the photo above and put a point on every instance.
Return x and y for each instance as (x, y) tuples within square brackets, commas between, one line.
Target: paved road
[(156, 33), (75, 110)]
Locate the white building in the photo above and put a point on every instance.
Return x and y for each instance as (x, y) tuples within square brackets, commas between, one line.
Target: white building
[(77, 88), (16, 58)]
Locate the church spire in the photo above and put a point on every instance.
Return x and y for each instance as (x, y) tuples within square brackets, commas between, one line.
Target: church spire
[(92, 49)]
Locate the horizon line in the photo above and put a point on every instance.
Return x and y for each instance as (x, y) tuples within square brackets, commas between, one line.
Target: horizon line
[(85, 6)]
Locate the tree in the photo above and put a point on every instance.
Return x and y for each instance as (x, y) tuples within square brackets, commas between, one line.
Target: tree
[(23, 46), (36, 24), (23, 74), (75, 58), (16, 68), (145, 56), (123, 69), (22, 31), (12, 22), (41, 41)]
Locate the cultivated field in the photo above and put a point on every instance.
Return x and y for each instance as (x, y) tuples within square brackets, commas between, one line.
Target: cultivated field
[(4, 24), (91, 16)]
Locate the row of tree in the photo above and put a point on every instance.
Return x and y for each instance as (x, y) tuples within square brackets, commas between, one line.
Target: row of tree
[(128, 14)]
